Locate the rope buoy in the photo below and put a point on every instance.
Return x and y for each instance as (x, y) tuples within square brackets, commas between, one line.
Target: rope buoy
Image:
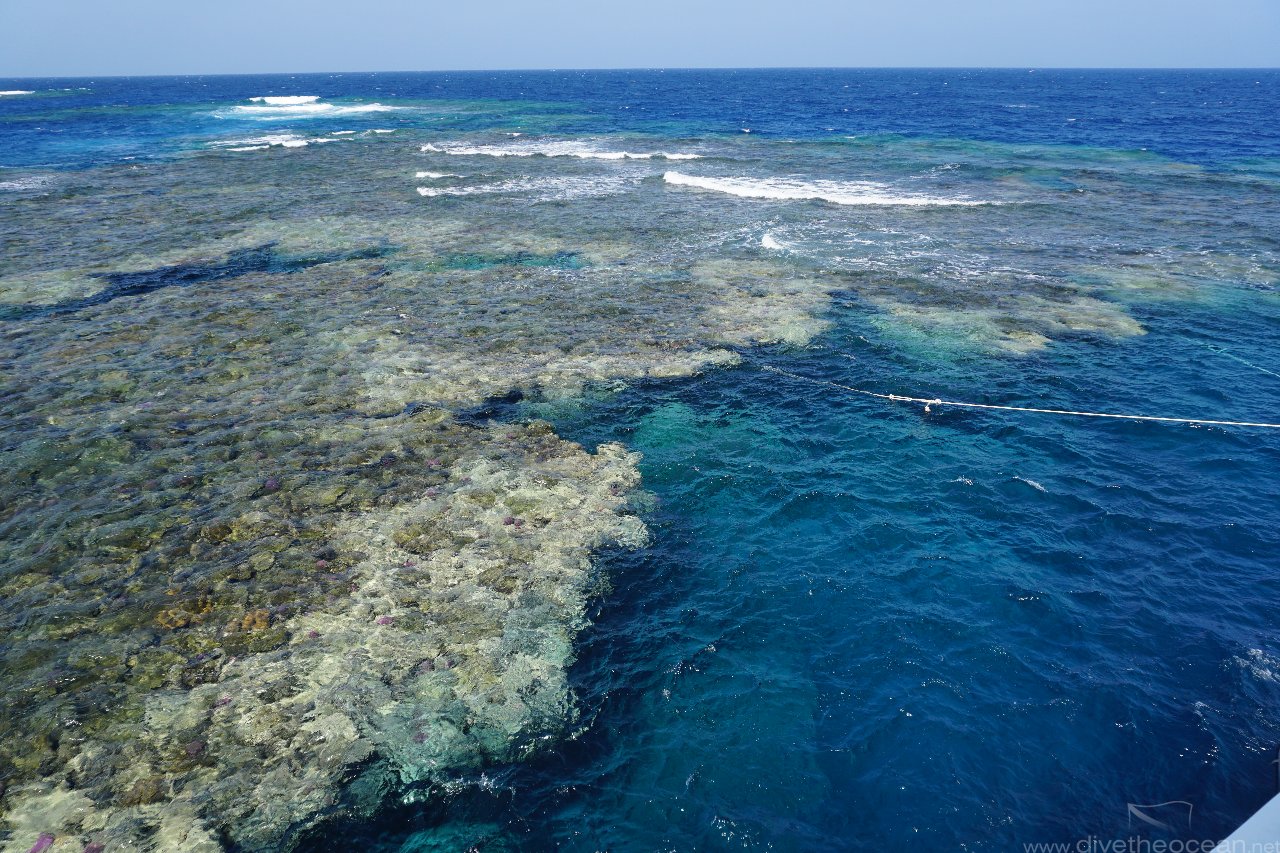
[(929, 403)]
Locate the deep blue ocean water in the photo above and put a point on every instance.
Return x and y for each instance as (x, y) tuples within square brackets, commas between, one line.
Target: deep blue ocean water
[(861, 626)]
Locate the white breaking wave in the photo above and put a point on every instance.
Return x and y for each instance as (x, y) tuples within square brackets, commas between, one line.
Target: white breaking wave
[(286, 100), (581, 150), (1032, 483), (278, 107), (835, 192), (768, 242), (17, 92), (538, 189), (283, 140), (434, 175), (33, 182), (1261, 664), (278, 140)]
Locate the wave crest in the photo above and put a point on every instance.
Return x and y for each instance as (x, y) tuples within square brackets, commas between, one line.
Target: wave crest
[(279, 107), (285, 100), (277, 140), (581, 150), (538, 189), (834, 192), (31, 182)]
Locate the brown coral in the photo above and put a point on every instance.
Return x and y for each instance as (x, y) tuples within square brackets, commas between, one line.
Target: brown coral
[(174, 618), (255, 620)]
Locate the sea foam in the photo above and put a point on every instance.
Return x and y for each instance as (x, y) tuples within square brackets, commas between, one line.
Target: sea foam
[(538, 189), (274, 108), (286, 100), (551, 148), (17, 92), (277, 140), (834, 192), (33, 182), (1261, 665)]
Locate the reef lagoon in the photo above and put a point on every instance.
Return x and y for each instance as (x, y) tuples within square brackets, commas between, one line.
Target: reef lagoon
[(468, 461)]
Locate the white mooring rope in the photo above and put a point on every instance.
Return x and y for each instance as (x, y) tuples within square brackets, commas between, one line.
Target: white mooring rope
[(1220, 351), (897, 398)]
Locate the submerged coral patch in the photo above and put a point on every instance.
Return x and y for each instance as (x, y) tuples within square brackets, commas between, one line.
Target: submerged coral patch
[(1019, 325), (262, 570), (262, 259), (476, 261)]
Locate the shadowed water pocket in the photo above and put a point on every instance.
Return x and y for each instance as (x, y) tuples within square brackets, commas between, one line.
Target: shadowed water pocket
[(261, 259), (480, 261)]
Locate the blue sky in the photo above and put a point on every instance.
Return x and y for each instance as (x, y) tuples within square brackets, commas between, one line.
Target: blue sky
[(92, 37)]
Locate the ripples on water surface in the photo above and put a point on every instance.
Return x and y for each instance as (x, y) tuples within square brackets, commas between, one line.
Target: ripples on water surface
[(857, 625)]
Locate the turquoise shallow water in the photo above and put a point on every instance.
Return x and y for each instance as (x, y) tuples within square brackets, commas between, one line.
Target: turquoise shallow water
[(988, 621), (864, 627), (858, 626)]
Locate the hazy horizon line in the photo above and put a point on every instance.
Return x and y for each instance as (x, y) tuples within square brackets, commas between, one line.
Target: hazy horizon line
[(1027, 68)]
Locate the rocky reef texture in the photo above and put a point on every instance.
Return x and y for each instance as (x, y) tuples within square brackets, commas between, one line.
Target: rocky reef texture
[(434, 639), (261, 564), (1020, 326)]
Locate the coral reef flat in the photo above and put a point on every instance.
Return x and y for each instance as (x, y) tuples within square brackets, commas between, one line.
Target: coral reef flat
[(257, 571), (479, 461)]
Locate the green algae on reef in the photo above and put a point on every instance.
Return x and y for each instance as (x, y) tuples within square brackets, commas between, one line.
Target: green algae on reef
[(256, 573)]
